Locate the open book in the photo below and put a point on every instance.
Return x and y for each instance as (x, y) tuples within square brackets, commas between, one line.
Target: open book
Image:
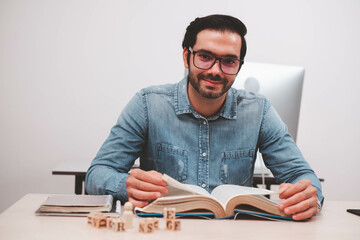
[(223, 202)]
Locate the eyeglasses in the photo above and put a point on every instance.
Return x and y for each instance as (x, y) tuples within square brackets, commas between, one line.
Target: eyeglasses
[(204, 60)]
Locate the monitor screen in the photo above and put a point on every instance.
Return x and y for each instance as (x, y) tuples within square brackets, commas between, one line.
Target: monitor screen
[(281, 84)]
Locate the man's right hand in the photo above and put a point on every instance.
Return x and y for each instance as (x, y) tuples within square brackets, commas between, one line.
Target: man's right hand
[(143, 186)]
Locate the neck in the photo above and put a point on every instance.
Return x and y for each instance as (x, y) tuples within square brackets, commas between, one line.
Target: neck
[(206, 107)]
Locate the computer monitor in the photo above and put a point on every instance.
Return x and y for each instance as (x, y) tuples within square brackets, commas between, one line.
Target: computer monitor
[(281, 84)]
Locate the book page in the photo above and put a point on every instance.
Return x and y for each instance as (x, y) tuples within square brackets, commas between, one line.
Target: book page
[(177, 188), (224, 193), (199, 190)]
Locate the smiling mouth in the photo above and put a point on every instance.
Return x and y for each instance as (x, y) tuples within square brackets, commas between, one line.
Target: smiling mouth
[(212, 82)]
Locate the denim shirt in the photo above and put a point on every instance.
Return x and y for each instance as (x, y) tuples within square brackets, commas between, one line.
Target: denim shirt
[(160, 126)]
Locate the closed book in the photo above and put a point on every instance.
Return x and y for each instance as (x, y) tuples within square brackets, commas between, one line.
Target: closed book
[(62, 204)]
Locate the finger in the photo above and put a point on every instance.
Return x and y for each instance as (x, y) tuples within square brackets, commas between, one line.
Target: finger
[(283, 187), (151, 177), (295, 188), (146, 186), (305, 214), (143, 195), (301, 206), (155, 173), (308, 193), (138, 203)]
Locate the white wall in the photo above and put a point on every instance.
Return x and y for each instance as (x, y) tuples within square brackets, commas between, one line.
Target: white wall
[(67, 68)]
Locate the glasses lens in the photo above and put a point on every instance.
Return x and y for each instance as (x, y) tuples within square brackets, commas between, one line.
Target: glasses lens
[(230, 65), (206, 61)]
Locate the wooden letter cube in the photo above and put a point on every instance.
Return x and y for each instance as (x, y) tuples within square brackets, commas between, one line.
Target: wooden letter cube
[(91, 215), (118, 224), (177, 225), (173, 224), (146, 227), (142, 227), (109, 222), (155, 222), (99, 221), (169, 213)]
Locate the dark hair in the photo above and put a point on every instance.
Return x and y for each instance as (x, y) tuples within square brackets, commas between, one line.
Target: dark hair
[(216, 22)]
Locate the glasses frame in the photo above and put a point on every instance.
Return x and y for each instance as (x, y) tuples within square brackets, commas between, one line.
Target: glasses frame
[(216, 59)]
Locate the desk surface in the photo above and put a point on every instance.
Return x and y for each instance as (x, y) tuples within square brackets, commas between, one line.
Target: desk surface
[(20, 222)]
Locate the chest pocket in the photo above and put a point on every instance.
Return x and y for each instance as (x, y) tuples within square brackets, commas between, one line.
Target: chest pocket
[(173, 161), (236, 167)]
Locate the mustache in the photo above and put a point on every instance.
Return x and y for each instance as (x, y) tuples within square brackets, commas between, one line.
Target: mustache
[(212, 78)]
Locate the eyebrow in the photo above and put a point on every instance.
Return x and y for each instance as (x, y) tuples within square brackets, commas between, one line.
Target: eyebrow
[(227, 55)]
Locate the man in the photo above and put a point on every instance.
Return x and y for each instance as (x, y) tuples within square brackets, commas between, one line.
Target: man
[(201, 131)]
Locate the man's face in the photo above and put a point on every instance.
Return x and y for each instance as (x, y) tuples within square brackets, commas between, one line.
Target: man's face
[(212, 83)]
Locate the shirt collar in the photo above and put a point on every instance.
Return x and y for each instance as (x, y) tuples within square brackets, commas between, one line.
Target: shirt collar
[(183, 106)]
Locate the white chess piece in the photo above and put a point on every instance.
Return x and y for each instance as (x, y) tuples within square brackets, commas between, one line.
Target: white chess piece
[(128, 215)]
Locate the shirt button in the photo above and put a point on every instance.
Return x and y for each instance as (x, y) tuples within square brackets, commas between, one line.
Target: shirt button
[(204, 154), (203, 185), (204, 122)]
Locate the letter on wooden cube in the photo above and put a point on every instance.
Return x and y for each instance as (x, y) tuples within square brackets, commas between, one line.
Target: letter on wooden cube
[(169, 213), (99, 221), (177, 225), (109, 222), (173, 224), (146, 227), (91, 216), (118, 224), (155, 222)]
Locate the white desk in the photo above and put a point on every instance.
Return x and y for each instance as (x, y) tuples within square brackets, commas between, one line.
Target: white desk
[(20, 222)]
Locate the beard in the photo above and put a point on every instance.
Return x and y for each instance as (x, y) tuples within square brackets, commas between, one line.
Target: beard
[(208, 92)]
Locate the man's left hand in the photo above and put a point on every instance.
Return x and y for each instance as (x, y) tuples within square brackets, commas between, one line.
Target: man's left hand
[(300, 199)]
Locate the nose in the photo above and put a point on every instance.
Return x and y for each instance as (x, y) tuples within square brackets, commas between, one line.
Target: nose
[(215, 69)]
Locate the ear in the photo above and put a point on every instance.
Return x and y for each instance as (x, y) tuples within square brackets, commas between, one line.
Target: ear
[(185, 56)]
